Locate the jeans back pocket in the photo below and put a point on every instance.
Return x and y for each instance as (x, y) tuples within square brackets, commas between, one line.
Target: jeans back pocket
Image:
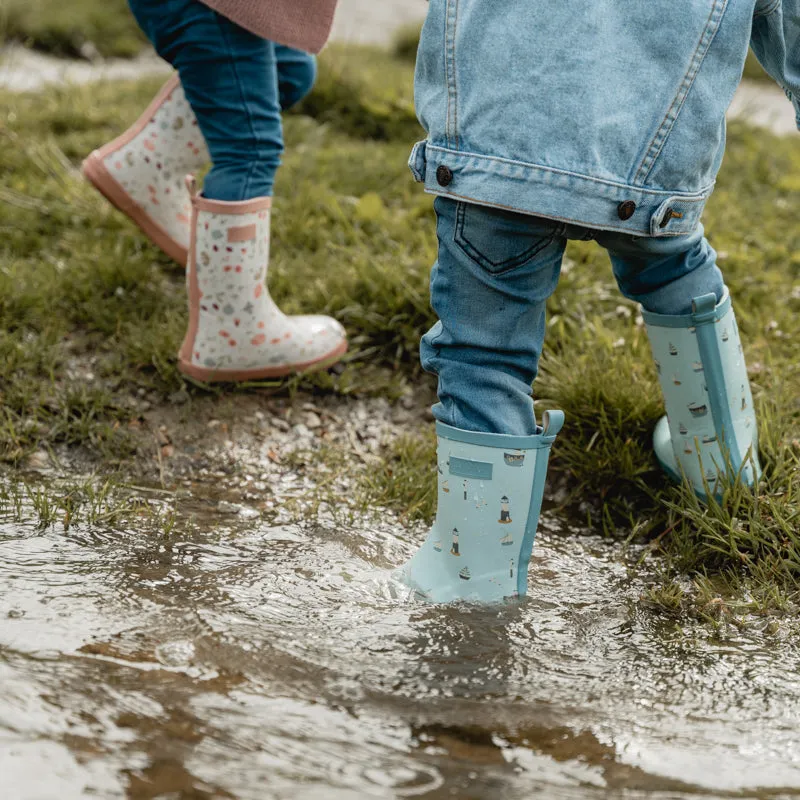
[(498, 240)]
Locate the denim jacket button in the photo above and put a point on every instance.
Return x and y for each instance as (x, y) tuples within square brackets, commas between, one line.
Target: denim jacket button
[(444, 175), (626, 210)]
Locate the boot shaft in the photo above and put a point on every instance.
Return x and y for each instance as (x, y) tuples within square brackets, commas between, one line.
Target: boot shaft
[(707, 395), (236, 331), (489, 498)]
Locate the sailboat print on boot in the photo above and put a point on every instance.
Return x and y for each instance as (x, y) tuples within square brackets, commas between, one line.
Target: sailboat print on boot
[(698, 409)]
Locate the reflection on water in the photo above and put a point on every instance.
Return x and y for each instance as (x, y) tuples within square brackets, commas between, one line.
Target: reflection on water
[(262, 662)]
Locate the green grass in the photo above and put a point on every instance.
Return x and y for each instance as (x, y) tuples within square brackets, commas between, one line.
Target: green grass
[(72, 28), (81, 291), (753, 71)]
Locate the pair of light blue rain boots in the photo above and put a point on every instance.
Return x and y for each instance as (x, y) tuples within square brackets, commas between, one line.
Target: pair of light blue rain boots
[(491, 486)]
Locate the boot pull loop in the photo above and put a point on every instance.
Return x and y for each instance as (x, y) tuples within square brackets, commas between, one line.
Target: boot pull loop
[(704, 309), (191, 185), (552, 422)]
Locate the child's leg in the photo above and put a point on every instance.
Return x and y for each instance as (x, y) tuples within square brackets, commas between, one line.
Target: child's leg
[(229, 76), (664, 274), (236, 331), (710, 427), (489, 288), (297, 73)]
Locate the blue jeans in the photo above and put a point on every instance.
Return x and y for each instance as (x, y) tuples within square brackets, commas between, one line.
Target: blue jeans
[(489, 288), (237, 85)]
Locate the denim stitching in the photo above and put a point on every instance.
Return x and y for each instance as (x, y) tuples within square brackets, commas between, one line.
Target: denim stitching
[(696, 197), (582, 223), (451, 22), (447, 71), (671, 117), (765, 12), (494, 268), (455, 76)]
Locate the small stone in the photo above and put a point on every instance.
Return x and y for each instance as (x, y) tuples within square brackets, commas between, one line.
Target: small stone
[(179, 398), (175, 654), (302, 431), (280, 424), (38, 460), (89, 51), (213, 424), (313, 420)]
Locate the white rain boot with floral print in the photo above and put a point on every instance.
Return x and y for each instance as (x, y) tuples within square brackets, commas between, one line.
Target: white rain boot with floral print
[(143, 171), (236, 332)]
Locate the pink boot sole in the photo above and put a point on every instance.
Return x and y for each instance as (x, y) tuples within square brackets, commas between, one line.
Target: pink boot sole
[(228, 375)]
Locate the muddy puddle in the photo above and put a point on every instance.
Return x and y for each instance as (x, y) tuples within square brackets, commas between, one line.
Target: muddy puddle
[(200, 654)]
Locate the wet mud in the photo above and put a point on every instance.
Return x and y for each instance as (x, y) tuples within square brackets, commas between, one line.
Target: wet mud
[(256, 656)]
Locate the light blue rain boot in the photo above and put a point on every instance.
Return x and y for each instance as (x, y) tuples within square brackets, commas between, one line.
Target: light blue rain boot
[(490, 495), (710, 427)]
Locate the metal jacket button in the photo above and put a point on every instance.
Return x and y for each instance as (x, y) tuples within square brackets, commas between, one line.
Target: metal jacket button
[(444, 175), (626, 210)]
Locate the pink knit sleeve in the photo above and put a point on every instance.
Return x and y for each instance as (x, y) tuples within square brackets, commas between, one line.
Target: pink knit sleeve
[(303, 24)]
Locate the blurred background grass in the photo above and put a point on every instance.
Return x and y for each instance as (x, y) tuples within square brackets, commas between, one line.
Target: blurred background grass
[(72, 27)]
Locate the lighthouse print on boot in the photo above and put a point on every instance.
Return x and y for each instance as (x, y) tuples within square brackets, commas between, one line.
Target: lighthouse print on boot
[(143, 171), (236, 331)]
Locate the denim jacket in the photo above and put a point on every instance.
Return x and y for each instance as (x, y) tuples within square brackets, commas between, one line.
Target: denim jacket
[(608, 114)]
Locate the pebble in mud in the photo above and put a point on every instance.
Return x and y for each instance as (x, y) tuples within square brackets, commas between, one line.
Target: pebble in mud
[(175, 654)]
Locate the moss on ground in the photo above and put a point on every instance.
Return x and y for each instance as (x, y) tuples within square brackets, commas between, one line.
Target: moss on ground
[(74, 28), (91, 314)]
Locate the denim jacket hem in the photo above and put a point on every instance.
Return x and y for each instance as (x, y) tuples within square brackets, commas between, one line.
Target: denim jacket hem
[(557, 194)]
